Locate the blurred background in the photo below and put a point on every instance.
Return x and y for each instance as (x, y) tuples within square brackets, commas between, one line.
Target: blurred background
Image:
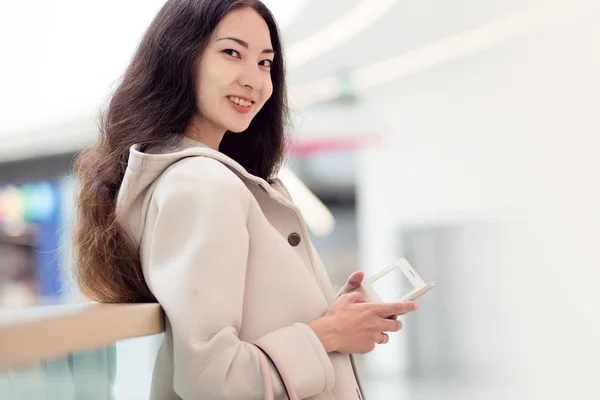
[(462, 135)]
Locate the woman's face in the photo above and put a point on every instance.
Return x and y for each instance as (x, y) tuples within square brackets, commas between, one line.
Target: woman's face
[(234, 73)]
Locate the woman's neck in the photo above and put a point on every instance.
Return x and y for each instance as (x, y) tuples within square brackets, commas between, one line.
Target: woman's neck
[(202, 131)]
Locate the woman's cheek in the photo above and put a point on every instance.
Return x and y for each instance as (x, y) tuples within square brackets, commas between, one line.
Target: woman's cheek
[(268, 92)]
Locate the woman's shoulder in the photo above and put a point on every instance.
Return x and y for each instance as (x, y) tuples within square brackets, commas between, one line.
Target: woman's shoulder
[(200, 175)]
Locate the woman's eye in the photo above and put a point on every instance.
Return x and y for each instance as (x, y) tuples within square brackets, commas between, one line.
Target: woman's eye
[(266, 63), (231, 52)]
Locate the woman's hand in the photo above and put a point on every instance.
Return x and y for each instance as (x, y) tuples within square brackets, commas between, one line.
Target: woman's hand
[(353, 281), (351, 325)]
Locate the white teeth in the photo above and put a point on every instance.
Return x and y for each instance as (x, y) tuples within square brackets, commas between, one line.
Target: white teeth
[(239, 101)]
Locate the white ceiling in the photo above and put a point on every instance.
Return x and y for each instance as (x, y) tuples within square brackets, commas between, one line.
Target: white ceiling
[(59, 62)]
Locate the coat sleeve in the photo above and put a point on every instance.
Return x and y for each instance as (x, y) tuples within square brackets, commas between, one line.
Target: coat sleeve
[(197, 270)]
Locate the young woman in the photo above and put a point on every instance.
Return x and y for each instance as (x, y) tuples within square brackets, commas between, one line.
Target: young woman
[(179, 204)]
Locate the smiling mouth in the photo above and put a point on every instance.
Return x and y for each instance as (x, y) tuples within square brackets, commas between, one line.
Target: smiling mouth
[(240, 102)]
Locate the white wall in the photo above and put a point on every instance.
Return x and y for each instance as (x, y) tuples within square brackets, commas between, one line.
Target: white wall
[(508, 138)]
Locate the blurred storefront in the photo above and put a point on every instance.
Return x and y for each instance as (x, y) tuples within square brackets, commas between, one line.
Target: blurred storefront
[(32, 226)]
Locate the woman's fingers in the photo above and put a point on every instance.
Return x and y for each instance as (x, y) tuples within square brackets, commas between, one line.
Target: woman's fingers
[(356, 297), (388, 325), (383, 338), (355, 279), (384, 310), (353, 282)]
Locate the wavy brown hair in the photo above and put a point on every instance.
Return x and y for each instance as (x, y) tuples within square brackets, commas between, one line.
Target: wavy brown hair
[(154, 102)]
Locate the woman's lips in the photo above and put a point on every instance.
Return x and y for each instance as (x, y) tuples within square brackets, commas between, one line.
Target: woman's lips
[(239, 108)]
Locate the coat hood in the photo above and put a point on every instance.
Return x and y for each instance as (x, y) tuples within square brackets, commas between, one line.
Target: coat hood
[(144, 169)]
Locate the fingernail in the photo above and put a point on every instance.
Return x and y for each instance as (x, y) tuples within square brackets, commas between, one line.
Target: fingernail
[(415, 306)]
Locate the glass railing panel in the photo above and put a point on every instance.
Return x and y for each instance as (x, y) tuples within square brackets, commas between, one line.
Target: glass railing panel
[(120, 371)]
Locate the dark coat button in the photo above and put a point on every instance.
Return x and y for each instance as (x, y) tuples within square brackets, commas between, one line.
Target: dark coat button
[(294, 239)]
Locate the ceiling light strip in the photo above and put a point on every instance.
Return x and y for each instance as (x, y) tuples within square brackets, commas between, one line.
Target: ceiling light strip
[(531, 20), (466, 43), (358, 19)]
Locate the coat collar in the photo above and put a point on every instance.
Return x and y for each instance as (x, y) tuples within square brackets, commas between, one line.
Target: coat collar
[(157, 163)]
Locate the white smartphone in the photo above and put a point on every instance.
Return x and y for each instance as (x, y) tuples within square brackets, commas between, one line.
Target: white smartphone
[(419, 285)]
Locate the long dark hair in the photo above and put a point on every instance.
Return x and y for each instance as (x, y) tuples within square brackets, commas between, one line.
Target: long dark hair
[(154, 101)]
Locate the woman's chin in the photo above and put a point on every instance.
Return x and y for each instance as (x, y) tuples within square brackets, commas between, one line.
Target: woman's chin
[(238, 128)]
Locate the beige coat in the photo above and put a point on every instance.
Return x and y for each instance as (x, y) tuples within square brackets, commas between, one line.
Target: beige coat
[(229, 258)]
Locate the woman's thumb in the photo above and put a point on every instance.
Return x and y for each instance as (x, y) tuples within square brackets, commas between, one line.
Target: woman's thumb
[(356, 278), (352, 282)]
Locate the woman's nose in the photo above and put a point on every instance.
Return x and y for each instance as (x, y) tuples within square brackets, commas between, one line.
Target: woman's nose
[(250, 77)]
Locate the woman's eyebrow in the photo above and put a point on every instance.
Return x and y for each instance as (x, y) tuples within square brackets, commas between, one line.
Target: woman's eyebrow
[(245, 44)]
